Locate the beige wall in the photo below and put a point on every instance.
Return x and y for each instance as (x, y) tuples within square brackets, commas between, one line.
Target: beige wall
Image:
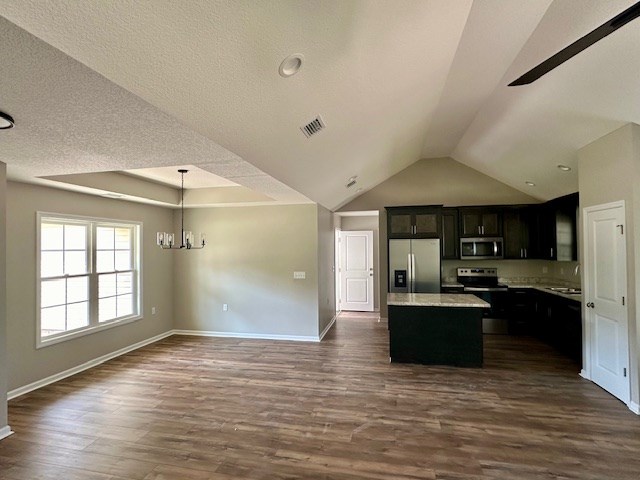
[(609, 170), (326, 263), (28, 364), (249, 264), (350, 224), (439, 181), (3, 298)]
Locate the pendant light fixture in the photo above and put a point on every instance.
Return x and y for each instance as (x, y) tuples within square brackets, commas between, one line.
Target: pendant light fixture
[(167, 241)]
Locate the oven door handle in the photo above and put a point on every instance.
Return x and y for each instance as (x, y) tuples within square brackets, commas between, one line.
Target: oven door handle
[(495, 249), (486, 289)]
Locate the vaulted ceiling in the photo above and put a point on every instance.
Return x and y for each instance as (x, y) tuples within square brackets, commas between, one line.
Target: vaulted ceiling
[(99, 86)]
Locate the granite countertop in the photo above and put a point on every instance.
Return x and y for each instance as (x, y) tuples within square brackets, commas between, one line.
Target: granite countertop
[(436, 300), (544, 287), (523, 283)]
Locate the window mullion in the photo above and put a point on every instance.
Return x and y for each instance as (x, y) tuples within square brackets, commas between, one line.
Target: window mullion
[(64, 273), (93, 275), (115, 270)]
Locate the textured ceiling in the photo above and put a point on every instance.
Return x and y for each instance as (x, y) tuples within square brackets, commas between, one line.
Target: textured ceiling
[(71, 120), (194, 177), (394, 81)]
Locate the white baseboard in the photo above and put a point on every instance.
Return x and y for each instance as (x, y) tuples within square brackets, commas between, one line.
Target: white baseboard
[(201, 333), (328, 327), (583, 374), (97, 361), (256, 336), (85, 366), (5, 432)]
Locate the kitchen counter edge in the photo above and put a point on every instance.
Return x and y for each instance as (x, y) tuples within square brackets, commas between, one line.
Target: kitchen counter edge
[(546, 289), (460, 300)]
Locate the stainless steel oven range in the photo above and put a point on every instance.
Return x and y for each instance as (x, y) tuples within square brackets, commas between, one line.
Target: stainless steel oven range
[(483, 282)]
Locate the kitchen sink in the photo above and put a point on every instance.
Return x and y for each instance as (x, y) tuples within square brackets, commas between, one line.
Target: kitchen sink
[(566, 290)]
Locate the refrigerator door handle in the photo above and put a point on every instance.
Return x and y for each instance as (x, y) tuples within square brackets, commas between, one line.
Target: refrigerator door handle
[(413, 273), (409, 274)]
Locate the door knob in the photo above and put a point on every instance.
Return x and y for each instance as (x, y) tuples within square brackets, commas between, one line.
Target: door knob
[(590, 305)]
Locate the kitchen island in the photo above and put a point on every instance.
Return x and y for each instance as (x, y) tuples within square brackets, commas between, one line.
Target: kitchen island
[(435, 328)]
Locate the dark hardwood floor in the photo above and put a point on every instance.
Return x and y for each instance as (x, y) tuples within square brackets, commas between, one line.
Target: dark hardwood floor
[(207, 408)]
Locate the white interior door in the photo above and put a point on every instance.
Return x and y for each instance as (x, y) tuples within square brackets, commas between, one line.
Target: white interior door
[(356, 271), (606, 289)]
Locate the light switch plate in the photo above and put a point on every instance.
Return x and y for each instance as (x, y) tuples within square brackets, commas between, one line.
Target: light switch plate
[(299, 275)]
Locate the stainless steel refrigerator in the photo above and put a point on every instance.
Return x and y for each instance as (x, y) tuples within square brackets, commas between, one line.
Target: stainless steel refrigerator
[(414, 265)]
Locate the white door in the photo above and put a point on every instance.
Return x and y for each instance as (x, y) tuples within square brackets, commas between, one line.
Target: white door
[(356, 271), (606, 330)]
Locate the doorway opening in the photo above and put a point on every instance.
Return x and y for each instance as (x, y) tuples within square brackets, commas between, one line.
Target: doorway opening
[(357, 261)]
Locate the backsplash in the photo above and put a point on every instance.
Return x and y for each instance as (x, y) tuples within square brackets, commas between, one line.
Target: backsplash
[(520, 271)]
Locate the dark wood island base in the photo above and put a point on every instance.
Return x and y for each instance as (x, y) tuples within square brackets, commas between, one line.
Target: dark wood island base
[(436, 329)]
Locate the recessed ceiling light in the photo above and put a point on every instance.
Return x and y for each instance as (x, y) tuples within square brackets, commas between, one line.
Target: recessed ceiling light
[(6, 121), (564, 168), (291, 65), (531, 184)]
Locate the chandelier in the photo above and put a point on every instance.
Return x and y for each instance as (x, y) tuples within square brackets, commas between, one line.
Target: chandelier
[(167, 241)]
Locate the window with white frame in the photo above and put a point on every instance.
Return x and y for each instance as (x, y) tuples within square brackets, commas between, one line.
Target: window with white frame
[(89, 275)]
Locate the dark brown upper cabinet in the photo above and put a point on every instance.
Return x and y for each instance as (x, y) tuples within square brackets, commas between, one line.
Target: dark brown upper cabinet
[(557, 229), (450, 237), (518, 227), (480, 222), (414, 222)]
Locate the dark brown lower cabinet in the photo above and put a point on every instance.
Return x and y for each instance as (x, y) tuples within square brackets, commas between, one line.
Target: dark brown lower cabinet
[(522, 310), (555, 320), (436, 335)]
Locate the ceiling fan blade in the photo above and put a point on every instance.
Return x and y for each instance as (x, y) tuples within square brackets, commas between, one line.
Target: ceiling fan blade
[(579, 45)]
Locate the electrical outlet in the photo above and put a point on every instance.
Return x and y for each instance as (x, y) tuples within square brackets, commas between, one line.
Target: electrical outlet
[(153, 310), (225, 307), (299, 275), (545, 270)]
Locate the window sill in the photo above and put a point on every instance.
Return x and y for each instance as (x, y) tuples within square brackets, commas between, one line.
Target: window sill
[(81, 332)]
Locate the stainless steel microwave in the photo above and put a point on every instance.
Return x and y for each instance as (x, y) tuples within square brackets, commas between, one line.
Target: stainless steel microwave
[(481, 248)]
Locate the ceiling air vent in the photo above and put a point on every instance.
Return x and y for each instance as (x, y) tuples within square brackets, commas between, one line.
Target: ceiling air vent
[(313, 127)]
